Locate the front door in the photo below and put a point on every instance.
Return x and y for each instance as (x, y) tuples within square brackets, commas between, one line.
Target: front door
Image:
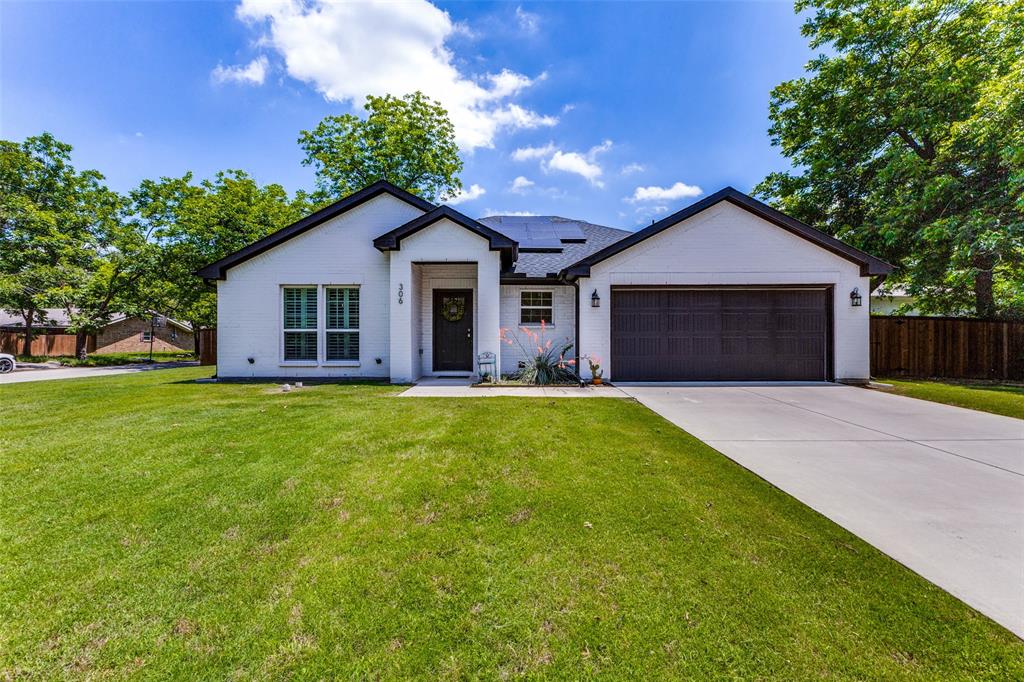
[(453, 330)]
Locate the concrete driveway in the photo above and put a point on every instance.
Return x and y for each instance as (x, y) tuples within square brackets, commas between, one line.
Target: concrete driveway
[(49, 373), (938, 488)]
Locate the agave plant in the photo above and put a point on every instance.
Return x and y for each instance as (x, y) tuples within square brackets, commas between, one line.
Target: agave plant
[(545, 363)]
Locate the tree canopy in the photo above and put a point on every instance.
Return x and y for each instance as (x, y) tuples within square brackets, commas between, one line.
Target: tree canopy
[(67, 241), (196, 224), (408, 141), (54, 223), (907, 139)]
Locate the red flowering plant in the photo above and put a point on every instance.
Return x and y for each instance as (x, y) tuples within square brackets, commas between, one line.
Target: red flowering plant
[(545, 363)]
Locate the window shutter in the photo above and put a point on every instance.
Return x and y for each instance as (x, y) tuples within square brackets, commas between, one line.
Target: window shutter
[(342, 336)]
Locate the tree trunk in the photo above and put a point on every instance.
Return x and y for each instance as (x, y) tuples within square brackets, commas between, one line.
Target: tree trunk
[(984, 300), (81, 345), (27, 348)]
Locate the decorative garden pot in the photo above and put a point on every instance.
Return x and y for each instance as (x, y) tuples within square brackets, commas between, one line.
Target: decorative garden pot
[(596, 381)]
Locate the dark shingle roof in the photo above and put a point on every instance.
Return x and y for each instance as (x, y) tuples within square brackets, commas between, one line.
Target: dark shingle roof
[(547, 244)]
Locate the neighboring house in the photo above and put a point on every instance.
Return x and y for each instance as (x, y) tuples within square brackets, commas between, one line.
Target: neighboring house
[(122, 334), (383, 284), (891, 301), (132, 335)]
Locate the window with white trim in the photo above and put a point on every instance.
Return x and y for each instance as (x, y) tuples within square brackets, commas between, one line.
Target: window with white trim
[(300, 324), (342, 323), (535, 307), (146, 336)]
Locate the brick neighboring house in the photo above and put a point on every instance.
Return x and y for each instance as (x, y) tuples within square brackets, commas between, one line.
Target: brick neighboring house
[(122, 334), (131, 335)]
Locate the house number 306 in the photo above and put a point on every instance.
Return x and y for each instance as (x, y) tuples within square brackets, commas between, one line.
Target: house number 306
[(401, 293)]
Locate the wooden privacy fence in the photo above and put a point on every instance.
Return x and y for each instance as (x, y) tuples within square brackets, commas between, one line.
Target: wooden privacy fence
[(949, 347), (207, 346), (43, 344)]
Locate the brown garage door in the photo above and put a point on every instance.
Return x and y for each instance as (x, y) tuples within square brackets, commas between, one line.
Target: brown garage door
[(720, 334)]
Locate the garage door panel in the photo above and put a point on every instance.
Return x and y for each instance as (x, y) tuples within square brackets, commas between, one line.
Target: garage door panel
[(719, 334)]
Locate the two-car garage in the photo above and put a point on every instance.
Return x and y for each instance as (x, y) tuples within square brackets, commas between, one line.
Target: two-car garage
[(721, 334), (727, 289)]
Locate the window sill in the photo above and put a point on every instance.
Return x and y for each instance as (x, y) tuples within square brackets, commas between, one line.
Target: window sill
[(340, 363), (298, 363), (547, 325)]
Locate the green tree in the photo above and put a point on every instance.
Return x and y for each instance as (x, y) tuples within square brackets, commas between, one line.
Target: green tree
[(52, 224), (196, 224), (408, 141), (907, 138)]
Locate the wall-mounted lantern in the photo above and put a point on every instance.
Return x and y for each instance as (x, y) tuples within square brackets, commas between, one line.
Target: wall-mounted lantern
[(855, 298), (595, 300)]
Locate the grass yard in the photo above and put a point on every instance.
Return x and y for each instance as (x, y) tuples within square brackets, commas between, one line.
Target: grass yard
[(151, 526), (1004, 399)]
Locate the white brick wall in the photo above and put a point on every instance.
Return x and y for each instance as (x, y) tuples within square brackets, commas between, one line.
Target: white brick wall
[(727, 245), (562, 332), (722, 245), (339, 251)]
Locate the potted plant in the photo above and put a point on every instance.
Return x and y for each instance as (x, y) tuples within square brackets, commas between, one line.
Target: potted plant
[(595, 369)]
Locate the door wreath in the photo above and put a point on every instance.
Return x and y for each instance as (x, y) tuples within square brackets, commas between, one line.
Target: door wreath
[(452, 309)]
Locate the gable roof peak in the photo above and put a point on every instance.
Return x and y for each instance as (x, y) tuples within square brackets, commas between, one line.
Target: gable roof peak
[(218, 269), (869, 265)]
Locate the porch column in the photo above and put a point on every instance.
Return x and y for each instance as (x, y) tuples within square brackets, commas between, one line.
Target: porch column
[(488, 288), (400, 311)]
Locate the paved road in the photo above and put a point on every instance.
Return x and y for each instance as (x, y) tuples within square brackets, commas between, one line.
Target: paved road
[(49, 374), (938, 488)]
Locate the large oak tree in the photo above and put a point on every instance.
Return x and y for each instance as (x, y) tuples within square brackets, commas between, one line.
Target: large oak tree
[(907, 138), (408, 141)]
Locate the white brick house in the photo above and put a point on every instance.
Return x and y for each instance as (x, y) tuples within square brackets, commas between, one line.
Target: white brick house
[(385, 285)]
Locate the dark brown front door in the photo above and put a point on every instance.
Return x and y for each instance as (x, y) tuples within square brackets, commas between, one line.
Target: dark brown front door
[(453, 330), (720, 334)]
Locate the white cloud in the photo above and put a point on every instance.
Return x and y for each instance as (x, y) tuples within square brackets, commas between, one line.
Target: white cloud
[(680, 190), (584, 165), (530, 153), (648, 213), (520, 214), (139, 135), (528, 21), (520, 185), (253, 73), (348, 50), (631, 168), (474, 192)]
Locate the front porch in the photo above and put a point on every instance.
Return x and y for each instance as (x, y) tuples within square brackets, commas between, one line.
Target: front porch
[(444, 316), (453, 319)]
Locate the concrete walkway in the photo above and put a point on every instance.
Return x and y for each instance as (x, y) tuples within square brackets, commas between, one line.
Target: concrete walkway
[(938, 488), (463, 388), (37, 372)]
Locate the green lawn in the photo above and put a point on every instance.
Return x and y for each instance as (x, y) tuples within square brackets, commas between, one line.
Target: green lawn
[(987, 397), (153, 526)]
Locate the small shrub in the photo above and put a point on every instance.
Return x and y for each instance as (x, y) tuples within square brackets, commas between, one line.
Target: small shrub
[(545, 363)]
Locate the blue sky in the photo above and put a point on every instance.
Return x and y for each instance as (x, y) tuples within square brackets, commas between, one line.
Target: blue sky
[(611, 112)]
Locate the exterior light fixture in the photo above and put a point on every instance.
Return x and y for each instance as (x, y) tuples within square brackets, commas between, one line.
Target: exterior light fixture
[(855, 297), (595, 300)]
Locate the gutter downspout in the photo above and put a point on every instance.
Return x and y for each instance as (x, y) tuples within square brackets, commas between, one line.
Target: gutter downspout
[(576, 347)]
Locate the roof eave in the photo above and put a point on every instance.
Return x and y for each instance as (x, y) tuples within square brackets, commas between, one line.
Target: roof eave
[(392, 240), (218, 269), (869, 265)]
